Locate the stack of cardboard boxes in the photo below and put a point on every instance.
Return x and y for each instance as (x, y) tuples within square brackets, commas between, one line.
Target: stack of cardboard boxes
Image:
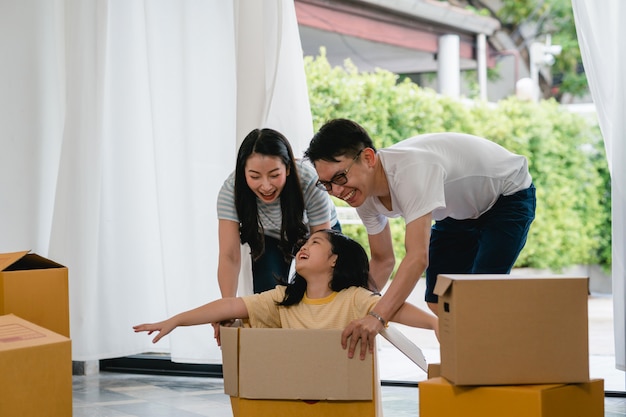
[(35, 350), (512, 346)]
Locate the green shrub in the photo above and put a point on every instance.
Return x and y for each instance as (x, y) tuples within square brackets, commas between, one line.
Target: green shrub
[(564, 150)]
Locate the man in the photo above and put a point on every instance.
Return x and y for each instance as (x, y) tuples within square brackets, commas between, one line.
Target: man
[(479, 194)]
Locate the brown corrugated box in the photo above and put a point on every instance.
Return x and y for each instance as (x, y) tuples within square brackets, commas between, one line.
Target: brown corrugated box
[(35, 289), (510, 330), (35, 370), (288, 372), (440, 398)]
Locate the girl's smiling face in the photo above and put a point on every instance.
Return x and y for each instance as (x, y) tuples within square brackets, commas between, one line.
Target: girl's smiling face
[(266, 176), (316, 255)]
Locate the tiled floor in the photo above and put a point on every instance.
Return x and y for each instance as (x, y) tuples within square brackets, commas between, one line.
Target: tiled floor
[(132, 395), (128, 395)]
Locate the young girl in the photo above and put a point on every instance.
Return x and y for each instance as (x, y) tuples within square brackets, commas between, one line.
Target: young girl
[(328, 292), (270, 202)]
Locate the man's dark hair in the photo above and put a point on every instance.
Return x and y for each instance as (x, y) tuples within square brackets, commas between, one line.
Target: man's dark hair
[(338, 137)]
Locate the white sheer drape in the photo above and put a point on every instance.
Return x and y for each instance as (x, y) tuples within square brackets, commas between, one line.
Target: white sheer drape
[(600, 31), (271, 82), (118, 122)]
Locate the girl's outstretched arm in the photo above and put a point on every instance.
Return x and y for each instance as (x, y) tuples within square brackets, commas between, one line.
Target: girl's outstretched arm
[(213, 312), (413, 316)]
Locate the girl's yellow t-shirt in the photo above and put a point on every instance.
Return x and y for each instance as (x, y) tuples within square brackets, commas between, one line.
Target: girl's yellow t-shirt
[(332, 312)]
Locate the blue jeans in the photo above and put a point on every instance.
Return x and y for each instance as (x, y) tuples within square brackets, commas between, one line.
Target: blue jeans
[(489, 244), (272, 268)]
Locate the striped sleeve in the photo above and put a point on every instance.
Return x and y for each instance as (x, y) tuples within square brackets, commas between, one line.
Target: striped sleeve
[(226, 200)]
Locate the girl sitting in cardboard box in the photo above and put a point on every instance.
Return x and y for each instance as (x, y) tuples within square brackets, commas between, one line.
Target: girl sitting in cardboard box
[(328, 291)]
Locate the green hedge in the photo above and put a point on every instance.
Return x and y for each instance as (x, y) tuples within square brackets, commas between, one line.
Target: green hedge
[(564, 150)]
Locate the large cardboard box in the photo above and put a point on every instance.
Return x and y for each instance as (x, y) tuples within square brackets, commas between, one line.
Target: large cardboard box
[(440, 398), (36, 289), (510, 330), (294, 372), (35, 370)]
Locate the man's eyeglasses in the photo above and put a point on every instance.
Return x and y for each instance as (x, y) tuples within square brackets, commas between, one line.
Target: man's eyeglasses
[(338, 179)]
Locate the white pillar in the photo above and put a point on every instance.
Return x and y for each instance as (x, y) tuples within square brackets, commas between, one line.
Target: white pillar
[(536, 56), (481, 61), (448, 62)]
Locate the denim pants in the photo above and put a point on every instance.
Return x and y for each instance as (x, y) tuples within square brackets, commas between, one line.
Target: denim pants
[(272, 268), (489, 244)]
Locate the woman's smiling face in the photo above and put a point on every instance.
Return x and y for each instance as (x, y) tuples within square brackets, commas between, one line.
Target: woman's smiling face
[(266, 176)]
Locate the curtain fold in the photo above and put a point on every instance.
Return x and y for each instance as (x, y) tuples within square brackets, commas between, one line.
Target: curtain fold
[(600, 31), (270, 77), (120, 120), (31, 121)]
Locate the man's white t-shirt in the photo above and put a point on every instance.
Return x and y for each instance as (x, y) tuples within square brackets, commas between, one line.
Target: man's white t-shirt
[(449, 174)]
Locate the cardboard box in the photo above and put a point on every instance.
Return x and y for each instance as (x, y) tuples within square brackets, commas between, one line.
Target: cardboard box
[(36, 370), (35, 289), (434, 370), (439, 398), (508, 330), (295, 372)]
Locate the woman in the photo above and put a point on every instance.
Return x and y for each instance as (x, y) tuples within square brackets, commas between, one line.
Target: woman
[(269, 202)]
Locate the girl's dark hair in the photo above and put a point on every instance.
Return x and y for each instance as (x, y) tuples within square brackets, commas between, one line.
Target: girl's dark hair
[(351, 269), (338, 137), (272, 143)]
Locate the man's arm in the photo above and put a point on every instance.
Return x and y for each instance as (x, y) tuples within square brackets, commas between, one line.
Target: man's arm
[(382, 257), (415, 262)]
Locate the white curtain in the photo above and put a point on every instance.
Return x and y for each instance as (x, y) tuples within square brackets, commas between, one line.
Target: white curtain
[(601, 32), (119, 120)]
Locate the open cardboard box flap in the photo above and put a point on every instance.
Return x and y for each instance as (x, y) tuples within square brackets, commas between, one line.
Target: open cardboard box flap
[(404, 345), (445, 281), (8, 259)]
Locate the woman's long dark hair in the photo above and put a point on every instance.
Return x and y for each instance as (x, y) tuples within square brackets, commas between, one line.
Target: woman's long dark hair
[(271, 143), (351, 269)]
